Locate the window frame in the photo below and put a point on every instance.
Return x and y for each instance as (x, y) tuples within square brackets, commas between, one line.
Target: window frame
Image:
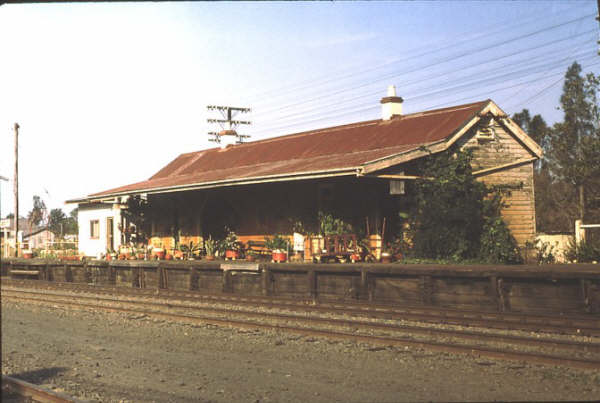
[(92, 222)]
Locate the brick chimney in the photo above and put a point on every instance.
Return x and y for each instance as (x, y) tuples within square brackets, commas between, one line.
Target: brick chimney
[(391, 105)]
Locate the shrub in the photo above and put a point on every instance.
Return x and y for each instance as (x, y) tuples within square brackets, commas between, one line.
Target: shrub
[(457, 218), (544, 251), (583, 252)]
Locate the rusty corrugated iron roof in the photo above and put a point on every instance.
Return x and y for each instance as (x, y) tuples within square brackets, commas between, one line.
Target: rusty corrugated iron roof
[(335, 149)]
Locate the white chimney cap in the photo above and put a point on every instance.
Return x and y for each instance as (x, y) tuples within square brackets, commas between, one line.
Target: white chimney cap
[(391, 105)]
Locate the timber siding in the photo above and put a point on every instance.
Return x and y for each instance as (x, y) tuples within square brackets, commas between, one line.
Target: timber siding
[(519, 210)]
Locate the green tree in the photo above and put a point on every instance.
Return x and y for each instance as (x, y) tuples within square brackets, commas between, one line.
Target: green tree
[(57, 220), (61, 224), (38, 212), (536, 128), (72, 226), (574, 154)]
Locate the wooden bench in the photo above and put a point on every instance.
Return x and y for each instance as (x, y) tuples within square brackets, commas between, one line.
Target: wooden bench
[(257, 247), (338, 247)]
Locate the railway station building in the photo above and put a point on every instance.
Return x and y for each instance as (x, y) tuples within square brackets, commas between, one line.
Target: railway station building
[(358, 172)]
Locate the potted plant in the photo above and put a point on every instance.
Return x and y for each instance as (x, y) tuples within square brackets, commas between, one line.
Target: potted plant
[(232, 246), (189, 250), (278, 246), (210, 247), (27, 254), (111, 254), (251, 256), (159, 253)]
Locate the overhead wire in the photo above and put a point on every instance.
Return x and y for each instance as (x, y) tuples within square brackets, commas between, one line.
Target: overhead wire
[(437, 62), (375, 107), (452, 43), (453, 88), (442, 74)]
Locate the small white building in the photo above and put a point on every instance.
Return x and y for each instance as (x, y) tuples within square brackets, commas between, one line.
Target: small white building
[(99, 229)]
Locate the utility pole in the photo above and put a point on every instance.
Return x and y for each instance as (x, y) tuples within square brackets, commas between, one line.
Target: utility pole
[(228, 124), (2, 178), (598, 19), (16, 190)]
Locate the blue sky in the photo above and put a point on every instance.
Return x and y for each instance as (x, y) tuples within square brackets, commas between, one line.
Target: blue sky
[(107, 94)]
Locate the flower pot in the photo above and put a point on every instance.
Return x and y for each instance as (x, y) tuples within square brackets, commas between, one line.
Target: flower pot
[(27, 254), (386, 258), (168, 256), (232, 254), (279, 256), (159, 253), (355, 257), (108, 257), (250, 258), (209, 257)]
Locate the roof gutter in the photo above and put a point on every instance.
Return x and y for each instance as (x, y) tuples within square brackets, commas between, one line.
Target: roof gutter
[(229, 182)]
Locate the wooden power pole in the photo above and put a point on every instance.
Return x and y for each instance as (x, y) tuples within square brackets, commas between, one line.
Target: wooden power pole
[(16, 189)]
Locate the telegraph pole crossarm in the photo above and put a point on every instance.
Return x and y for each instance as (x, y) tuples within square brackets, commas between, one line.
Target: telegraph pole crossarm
[(227, 123)]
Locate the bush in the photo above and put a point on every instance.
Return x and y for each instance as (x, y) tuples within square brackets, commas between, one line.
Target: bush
[(455, 217), (583, 252), (544, 251)]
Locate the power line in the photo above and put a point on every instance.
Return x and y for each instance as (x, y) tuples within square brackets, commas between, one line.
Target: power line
[(445, 60), (443, 74), (455, 88), (453, 43), (373, 107)]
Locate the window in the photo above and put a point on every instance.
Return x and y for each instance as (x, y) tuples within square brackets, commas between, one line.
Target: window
[(94, 229)]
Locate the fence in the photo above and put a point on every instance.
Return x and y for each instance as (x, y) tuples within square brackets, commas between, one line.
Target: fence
[(553, 288), (581, 233)]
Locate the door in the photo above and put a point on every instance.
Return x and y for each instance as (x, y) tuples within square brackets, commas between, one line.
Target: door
[(109, 234)]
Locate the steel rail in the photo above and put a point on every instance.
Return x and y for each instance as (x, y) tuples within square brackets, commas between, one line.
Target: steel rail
[(371, 339), (363, 325), (576, 325), (35, 392)]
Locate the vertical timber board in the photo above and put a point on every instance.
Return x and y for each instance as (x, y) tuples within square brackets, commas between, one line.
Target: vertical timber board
[(497, 293), (364, 285), (86, 273), (311, 278), (193, 283), (246, 283), (112, 275), (266, 281), (68, 274), (426, 290), (227, 288), (585, 294)]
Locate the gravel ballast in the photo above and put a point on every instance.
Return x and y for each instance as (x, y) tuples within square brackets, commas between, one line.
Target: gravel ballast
[(117, 357)]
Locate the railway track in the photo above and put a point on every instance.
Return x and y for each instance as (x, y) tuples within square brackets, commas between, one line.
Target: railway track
[(586, 325), (14, 390), (545, 350)]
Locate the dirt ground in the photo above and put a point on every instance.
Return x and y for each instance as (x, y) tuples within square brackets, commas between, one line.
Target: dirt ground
[(117, 358)]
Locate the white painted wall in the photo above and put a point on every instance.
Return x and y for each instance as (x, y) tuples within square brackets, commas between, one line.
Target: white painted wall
[(87, 213), (559, 242)]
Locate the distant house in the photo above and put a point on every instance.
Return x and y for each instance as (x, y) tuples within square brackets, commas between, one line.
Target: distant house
[(40, 238), (30, 237), (355, 171)]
